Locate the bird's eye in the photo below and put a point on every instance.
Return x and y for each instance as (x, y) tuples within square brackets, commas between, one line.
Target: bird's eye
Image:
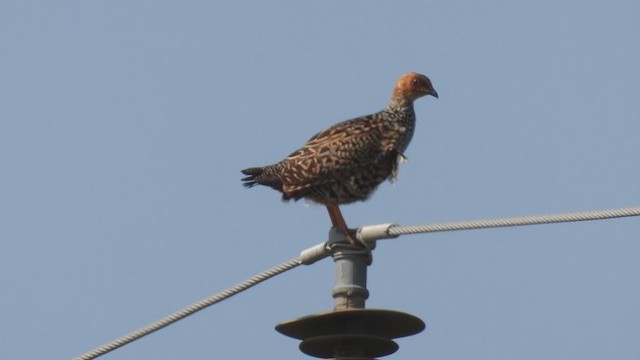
[(414, 81)]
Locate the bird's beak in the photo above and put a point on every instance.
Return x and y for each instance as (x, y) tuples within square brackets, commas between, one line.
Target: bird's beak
[(433, 93)]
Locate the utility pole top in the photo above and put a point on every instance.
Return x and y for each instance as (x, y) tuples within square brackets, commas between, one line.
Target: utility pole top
[(351, 331)]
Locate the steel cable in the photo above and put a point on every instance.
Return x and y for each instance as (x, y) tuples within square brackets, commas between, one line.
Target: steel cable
[(515, 221), (181, 314)]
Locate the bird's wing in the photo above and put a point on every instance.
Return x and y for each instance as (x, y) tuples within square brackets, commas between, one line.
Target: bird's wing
[(334, 153)]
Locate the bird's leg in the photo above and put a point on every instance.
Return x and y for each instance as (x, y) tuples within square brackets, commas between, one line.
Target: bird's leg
[(338, 222)]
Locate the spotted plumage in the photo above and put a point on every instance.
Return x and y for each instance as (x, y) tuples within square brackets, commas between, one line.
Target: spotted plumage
[(346, 162)]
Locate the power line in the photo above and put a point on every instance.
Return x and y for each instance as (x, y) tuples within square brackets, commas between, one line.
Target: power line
[(367, 234), (517, 221), (181, 314)]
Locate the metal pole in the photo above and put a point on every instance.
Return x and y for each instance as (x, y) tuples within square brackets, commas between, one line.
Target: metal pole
[(350, 291)]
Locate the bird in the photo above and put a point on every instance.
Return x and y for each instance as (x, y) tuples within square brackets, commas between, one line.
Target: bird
[(346, 162)]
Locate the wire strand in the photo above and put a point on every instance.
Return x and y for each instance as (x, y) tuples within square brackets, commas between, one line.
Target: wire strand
[(515, 221), (181, 314)]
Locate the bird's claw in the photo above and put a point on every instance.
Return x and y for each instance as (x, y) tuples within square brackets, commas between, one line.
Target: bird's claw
[(350, 235)]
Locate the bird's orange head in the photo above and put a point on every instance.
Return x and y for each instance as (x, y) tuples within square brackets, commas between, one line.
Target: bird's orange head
[(411, 86)]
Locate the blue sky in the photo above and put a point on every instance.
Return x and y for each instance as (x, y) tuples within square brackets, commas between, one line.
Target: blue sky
[(124, 125)]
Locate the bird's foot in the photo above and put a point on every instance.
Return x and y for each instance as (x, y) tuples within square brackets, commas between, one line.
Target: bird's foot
[(352, 239), (346, 239)]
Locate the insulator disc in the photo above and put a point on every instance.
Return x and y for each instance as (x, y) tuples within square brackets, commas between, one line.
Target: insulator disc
[(364, 346), (387, 324)]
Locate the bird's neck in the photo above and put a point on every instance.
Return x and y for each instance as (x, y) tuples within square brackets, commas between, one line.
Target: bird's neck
[(400, 104)]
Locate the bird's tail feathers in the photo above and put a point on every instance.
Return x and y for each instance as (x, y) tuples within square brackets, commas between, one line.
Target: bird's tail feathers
[(266, 175)]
